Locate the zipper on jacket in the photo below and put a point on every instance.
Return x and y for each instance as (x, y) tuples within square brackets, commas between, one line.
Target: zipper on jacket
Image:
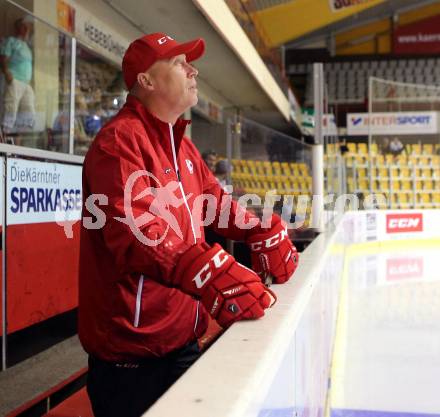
[(138, 301), (180, 181), (197, 318)]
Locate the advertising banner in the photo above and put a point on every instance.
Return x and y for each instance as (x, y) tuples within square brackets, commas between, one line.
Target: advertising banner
[(66, 16), (422, 37), (329, 127), (41, 192), (404, 222), (401, 123), (339, 5), (43, 209), (100, 36)]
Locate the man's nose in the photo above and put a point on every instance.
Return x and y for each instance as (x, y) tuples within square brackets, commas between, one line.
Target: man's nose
[(191, 71)]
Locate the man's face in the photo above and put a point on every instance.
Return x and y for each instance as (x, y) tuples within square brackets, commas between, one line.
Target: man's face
[(23, 29), (210, 161), (174, 82)]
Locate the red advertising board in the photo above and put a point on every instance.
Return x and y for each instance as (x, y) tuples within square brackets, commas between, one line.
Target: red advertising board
[(404, 223), (422, 37), (42, 278)]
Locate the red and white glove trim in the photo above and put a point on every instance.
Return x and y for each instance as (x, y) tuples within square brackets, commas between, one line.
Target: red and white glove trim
[(273, 255)]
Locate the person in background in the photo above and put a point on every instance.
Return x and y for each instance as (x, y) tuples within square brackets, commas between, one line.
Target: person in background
[(343, 148), (210, 158), (385, 146), (16, 66), (221, 172), (396, 147)]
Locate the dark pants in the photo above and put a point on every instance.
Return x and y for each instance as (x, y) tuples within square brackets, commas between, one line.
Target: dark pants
[(128, 390)]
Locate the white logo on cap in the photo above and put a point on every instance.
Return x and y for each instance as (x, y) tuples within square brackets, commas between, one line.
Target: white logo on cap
[(162, 40), (190, 166)]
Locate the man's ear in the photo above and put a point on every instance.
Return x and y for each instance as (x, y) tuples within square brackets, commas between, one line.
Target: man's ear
[(144, 80)]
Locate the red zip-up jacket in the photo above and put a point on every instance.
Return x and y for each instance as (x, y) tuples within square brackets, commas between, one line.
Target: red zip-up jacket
[(127, 310)]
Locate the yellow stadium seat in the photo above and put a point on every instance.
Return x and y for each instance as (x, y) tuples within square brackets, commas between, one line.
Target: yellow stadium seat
[(405, 173), (424, 160), (294, 169), (395, 204), (427, 185), (285, 169), (362, 172), (413, 160), (406, 185), (331, 147), (363, 185), (303, 168), (360, 159), (276, 168), (260, 168), (348, 160), (380, 159), (426, 172), (383, 172), (428, 148), (425, 200), (362, 148), (416, 149), (384, 185), (402, 159), (351, 147), (403, 198), (389, 159)]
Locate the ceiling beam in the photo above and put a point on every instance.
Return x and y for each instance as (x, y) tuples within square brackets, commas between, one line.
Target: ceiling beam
[(286, 22)]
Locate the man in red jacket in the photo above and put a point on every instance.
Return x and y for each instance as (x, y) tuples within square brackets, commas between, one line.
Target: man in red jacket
[(147, 278)]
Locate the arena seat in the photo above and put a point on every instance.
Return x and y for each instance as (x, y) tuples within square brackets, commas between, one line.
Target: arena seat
[(428, 148), (77, 405)]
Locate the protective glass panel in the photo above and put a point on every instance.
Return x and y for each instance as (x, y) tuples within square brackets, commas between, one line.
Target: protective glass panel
[(34, 81), (404, 144), (99, 94), (273, 170)]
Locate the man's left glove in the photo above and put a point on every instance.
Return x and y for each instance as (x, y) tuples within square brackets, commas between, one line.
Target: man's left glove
[(273, 254)]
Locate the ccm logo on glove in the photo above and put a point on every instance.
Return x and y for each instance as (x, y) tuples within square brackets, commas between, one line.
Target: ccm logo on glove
[(203, 276), (270, 242)]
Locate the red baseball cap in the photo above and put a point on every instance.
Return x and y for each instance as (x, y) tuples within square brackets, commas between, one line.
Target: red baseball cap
[(145, 51)]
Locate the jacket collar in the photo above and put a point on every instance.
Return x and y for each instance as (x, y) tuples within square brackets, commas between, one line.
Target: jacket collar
[(156, 128)]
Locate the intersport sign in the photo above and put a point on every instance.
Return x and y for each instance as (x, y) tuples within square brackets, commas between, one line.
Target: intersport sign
[(403, 123)]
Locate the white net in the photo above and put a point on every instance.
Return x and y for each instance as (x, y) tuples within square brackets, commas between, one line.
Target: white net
[(402, 160)]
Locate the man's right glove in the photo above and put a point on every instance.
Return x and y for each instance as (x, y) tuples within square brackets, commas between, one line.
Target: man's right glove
[(272, 253), (228, 290)]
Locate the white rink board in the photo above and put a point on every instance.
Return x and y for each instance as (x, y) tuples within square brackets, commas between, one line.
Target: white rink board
[(279, 365), (384, 225)]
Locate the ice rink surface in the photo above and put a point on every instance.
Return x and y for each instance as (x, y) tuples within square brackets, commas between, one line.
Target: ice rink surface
[(387, 347)]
